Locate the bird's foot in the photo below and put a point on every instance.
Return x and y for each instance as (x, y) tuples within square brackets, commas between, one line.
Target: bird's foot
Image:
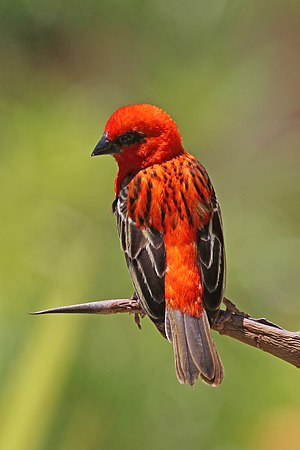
[(232, 309), (226, 316), (137, 316), (137, 320)]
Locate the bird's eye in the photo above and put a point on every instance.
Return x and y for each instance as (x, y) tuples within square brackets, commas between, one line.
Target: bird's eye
[(129, 138)]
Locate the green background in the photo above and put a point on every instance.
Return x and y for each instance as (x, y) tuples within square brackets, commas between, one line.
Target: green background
[(228, 72)]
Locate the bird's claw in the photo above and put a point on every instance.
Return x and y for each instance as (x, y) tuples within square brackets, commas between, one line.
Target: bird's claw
[(137, 319), (232, 309), (137, 316)]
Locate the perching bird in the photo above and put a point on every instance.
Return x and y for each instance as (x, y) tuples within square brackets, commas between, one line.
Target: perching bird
[(170, 228)]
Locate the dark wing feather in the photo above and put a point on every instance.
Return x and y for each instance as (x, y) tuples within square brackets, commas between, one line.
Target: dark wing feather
[(146, 259), (211, 256)]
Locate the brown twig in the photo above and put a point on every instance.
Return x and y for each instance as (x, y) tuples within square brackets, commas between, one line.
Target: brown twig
[(259, 333)]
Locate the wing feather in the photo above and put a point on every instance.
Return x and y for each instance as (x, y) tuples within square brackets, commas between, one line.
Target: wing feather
[(211, 253), (211, 256), (146, 259)]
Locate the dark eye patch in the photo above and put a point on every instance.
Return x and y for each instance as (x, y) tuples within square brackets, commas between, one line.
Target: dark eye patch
[(129, 138)]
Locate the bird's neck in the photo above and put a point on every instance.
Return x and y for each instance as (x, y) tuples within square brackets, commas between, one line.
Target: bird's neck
[(123, 177), (127, 169), (131, 164)]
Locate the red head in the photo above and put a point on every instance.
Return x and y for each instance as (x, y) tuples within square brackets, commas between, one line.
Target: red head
[(139, 136)]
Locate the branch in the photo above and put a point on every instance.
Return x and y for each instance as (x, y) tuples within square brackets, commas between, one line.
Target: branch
[(259, 333)]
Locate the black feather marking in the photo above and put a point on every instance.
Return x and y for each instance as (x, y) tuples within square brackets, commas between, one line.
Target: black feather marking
[(174, 166), (132, 200), (149, 199), (129, 138), (114, 205), (175, 200), (122, 232), (198, 189), (187, 209), (163, 215)]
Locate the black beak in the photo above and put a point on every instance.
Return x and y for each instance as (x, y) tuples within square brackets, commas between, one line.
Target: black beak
[(105, 147)]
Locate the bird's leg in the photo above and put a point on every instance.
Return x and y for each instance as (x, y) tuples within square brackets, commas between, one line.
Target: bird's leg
[(232, 309), (225, 316), (137, 316)]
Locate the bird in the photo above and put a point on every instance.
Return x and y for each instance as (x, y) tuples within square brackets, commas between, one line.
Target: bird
[(170, 229)]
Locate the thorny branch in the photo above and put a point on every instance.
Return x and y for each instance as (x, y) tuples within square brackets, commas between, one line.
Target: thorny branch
[(259, 333)]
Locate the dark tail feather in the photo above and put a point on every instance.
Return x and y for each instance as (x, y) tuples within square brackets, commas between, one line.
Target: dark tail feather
[(194, 349)]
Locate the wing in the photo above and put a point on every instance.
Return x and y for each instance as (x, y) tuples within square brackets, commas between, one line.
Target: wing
[(211, 257), (146, 260)]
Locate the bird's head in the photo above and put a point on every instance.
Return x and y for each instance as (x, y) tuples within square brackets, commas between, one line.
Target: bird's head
[(139, 136)]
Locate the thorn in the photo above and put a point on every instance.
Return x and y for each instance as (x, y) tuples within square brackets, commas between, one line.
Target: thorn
[(81, 308), (264, 321)]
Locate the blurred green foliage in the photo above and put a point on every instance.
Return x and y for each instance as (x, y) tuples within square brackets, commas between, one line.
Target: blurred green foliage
[(228, 72)]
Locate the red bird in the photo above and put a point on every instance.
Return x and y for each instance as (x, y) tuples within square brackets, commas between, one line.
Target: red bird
[(170, 228)]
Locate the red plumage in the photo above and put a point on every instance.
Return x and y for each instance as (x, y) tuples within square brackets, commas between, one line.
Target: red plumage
[(170, 230)]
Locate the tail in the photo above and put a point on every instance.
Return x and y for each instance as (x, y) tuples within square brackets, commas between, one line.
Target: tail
[(194, 349)]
